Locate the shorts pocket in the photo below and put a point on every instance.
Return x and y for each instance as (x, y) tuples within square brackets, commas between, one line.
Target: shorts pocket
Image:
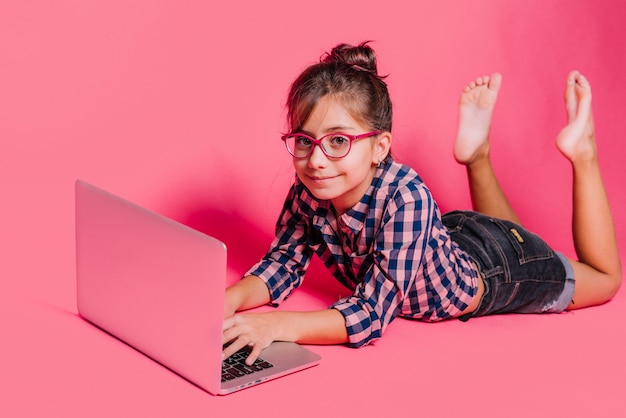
[(527, 245)]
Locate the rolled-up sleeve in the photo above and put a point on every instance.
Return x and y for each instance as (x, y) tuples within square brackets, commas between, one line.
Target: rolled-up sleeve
[(400, 245), (284, 265)]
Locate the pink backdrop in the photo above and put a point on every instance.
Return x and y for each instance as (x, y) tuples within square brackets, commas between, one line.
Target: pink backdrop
[(178, 106)]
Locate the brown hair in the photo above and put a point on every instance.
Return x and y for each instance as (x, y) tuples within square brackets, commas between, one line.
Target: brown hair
[(348, 73)]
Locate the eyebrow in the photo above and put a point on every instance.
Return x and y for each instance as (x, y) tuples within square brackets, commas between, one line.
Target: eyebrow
[(334, 129)]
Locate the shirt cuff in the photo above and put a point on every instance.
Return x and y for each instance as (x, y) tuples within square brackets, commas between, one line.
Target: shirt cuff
[(362, 328), (276, 278)]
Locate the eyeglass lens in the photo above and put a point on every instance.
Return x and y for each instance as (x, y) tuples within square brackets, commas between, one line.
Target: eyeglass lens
[(335, 146)]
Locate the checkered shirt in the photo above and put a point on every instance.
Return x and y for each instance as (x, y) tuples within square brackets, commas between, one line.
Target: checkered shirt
[(391, 249)]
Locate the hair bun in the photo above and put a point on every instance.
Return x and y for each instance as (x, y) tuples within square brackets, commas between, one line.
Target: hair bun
[(360, 57)]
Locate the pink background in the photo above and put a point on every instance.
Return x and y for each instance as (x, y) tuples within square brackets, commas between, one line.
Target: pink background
[(178, 106)]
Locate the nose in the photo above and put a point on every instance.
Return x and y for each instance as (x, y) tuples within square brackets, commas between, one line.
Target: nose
[(317, 159)]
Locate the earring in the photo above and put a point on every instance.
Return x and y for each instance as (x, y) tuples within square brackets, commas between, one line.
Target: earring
[(378, 164)]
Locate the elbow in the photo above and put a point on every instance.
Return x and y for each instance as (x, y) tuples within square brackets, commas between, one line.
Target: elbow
[(616, 282)]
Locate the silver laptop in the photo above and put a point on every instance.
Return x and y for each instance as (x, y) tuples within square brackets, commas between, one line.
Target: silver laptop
[(159, 286)]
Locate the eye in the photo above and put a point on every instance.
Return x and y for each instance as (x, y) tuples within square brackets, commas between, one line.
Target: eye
[(339, 141), (302, 141)]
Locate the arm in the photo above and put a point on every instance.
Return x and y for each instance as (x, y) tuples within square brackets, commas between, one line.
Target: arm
[(363, 317), (283, 268), (247, 293), (272, 280), (259, 330)]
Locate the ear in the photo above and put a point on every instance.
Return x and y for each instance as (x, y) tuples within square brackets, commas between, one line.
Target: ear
[(382, 147)]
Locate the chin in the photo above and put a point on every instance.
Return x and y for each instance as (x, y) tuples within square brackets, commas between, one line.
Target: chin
[(322, 195), (319, 193)]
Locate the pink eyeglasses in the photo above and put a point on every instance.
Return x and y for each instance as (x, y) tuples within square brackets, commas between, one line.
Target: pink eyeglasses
[(335, 145)]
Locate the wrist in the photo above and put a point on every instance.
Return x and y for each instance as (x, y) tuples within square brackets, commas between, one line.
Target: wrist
[(247, 293), (231, 303), (315, 327)]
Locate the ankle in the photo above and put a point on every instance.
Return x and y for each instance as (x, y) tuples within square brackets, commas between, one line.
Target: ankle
[(481, 158)]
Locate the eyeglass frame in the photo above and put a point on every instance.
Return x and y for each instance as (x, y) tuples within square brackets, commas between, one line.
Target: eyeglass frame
[(318, 142)]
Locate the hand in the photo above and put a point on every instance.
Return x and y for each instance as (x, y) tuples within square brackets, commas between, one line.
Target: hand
[(256, 330)]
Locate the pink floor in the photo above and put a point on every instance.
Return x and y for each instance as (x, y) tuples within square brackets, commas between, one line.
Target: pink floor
[(55, 364), (178, 106)]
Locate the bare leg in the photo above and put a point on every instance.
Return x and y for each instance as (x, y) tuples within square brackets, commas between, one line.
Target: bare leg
[(471, 148), (598, 272)]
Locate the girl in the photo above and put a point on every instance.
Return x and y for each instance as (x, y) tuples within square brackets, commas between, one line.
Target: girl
[(376, 227)]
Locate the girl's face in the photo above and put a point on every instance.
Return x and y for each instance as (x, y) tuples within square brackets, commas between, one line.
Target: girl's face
[(342, 181)]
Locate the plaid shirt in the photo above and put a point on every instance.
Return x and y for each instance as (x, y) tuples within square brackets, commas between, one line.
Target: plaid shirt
[(391, 249)]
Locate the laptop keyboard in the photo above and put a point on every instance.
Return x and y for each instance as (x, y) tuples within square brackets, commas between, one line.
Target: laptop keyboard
[(235, 366)]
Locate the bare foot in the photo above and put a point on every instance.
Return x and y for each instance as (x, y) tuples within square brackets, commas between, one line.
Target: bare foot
[(475, 110), (577, 140)]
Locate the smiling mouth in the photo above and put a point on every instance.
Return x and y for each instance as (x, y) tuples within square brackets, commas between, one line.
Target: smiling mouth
[(321, 179)]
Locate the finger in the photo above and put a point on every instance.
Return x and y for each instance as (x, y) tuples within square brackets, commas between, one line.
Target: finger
[(235, 346), (228, 323), (230, 334), (254, 354), (230, 330)]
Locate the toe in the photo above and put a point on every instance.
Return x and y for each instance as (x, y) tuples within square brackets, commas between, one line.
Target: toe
[(495, 81)]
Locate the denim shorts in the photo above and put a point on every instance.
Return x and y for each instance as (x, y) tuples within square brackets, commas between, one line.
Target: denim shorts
[(521, 273)]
